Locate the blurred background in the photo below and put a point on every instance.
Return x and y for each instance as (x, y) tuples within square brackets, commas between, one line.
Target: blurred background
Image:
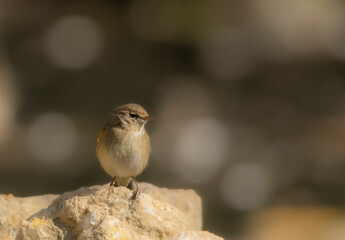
[(249, 100)]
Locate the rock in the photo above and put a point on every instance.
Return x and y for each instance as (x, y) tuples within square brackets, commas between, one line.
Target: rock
[(190, 203), (14, 210), (93, 213), (196, 235)]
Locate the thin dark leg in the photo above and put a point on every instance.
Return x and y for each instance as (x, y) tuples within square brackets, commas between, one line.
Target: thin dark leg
[(136, 191), (112, 183)]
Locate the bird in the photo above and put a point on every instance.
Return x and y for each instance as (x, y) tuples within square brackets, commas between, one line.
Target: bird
[(123, 146)]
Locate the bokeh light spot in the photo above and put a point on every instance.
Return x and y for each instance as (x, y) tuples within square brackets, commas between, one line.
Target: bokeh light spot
[(74, 42), (245, 186), (52, 137), (201, 150), (8, 103)]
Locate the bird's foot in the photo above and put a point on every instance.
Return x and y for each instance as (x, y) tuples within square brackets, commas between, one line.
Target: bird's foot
[(136, 192)]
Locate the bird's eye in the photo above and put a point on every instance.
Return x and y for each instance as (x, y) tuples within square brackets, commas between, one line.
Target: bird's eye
[(133, 115)]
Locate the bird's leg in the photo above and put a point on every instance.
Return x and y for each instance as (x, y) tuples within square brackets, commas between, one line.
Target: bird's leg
[(136, 191), (112, 184)]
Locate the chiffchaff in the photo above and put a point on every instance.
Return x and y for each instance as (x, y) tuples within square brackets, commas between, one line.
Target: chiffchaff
[(123, 146)]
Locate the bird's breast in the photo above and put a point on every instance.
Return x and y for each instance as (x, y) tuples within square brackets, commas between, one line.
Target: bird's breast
[(127, 156)]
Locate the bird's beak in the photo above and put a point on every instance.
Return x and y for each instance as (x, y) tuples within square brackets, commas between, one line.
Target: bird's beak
[(148, 117)]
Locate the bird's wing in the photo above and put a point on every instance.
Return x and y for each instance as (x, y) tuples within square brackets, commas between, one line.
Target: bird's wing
[(101, 133)]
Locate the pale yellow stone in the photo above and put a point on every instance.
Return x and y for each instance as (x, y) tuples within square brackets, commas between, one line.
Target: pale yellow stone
[(14, 210), (92, 213)]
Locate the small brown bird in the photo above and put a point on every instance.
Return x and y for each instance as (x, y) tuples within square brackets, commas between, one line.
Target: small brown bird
[(123, 146)]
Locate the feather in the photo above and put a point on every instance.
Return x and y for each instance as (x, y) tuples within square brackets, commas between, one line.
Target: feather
[(100, 135)]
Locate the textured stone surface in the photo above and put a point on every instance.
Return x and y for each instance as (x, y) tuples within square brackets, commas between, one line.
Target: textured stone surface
[(196, 235), (14, 210), (190, 203), (92, 213)]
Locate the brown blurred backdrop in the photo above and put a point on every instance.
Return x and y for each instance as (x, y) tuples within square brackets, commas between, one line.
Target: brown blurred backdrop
[(249, 100)]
